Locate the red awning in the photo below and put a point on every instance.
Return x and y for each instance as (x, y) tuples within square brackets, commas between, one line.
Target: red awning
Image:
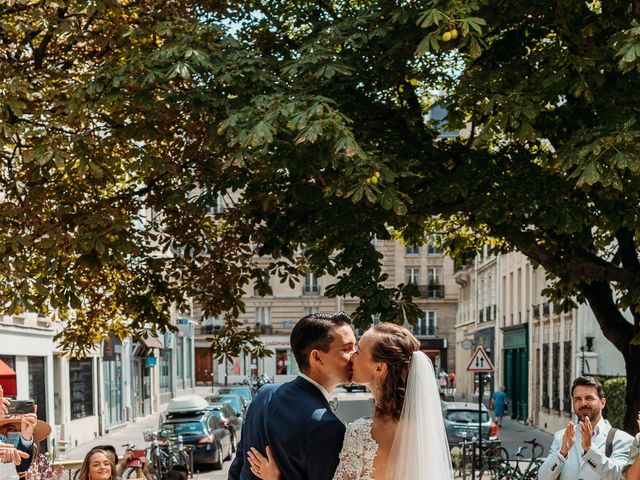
[(8, 380)]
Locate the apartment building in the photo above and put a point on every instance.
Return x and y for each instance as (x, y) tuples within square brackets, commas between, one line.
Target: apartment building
[(537, 349), (275, 315)]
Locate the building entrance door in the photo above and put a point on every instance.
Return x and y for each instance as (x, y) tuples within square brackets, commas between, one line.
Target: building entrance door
[(516, 375)]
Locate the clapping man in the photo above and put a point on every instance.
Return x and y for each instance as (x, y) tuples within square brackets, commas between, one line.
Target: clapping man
[(589, 449)]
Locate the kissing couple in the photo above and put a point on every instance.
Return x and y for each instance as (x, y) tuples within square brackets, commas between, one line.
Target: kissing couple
[(290, 432)]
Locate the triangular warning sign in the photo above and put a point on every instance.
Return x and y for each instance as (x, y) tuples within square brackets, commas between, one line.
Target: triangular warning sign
[(480, 361)]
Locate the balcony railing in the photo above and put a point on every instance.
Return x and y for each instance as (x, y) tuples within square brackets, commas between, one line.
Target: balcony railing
[(311, 290), (210, 329), (431, 291), (424, 330)]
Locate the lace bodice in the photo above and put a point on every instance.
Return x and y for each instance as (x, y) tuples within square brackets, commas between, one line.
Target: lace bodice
[(358, 452)]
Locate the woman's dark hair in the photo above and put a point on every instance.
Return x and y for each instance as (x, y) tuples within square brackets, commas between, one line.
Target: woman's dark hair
[(393, 345), (84, 471), (588, 382), (315, 332)]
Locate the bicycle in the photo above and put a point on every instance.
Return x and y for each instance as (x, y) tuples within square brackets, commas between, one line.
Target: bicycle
[(181, 454), (475, 457), (159, 460), (509, 471)]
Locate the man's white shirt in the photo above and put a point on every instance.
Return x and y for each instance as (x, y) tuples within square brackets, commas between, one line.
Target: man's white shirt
[(317, 385), (591, 466)]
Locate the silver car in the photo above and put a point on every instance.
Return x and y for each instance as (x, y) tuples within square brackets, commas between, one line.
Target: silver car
[(461, 421)]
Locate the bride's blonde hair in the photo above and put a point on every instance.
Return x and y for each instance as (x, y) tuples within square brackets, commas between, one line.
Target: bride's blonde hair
[(394, 346)]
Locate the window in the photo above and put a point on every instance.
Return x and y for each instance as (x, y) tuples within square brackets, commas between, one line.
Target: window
[(311, 284), (219, 206), (81, 387), (433, 247), (412, 275), (435, 275), (412, 250), (263, 315), (165, 370), (180, 359), (285, 362), (262, 284), (427, 325), (545, 375), (435, 288), (310, 310)]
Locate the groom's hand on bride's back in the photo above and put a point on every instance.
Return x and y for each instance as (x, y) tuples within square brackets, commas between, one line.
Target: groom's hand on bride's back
[(263, 467)]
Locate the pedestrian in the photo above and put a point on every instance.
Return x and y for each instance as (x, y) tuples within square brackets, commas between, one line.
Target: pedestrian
[(588, 449), (631, 471), (444, 378), (97, 465), (499, 404)]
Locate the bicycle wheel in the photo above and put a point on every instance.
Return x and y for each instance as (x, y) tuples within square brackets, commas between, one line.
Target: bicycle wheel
[(489, 472)]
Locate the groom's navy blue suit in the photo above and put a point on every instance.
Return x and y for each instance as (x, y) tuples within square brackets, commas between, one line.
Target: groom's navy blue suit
[(295, 419)]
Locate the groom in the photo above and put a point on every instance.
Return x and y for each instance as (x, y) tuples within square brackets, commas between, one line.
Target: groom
[(294, 418)]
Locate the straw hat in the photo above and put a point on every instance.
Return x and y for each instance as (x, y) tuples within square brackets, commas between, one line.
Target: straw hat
[(41, 431)]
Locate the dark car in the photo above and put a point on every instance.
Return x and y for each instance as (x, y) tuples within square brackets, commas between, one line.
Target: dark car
[(211, 441), (461, 421), (353, 387), (244, 391), (236, 401), (228, 419)]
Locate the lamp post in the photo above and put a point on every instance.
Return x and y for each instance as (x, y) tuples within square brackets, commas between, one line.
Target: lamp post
[(587, 347)]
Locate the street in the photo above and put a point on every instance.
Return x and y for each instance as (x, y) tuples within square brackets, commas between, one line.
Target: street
[(350, 407)]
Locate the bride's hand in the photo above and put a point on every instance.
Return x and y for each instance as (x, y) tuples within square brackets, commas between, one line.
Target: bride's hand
[(261, 467)]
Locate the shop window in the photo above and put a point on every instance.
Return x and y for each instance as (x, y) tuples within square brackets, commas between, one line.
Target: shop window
[(285, 362), (81, 387)]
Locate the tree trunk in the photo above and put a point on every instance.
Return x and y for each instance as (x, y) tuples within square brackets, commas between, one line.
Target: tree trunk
[(618, 331), (632, 395)]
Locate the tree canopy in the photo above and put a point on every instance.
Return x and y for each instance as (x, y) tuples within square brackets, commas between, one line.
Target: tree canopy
[(123, 121)]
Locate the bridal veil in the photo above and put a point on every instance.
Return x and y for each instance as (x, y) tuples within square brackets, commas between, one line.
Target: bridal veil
[(420, 449)]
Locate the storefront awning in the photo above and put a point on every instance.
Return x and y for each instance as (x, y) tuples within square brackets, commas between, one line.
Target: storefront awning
[(8, 380), (151, 342)]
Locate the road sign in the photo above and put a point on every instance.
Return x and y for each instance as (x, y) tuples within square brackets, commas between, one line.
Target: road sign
[(480, 362)]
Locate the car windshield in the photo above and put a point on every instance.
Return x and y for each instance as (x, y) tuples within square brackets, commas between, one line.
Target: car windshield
[(184, 428), (233, 400), (242, 391), (465, 416), (218, 414)]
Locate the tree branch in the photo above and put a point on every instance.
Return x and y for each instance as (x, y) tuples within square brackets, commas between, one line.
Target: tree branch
[(627, 249), (614, 326)]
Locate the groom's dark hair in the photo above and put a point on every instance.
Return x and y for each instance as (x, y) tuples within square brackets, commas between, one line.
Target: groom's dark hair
[(315, 332)]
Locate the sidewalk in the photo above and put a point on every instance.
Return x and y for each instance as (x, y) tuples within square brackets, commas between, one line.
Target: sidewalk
[(131, 432)]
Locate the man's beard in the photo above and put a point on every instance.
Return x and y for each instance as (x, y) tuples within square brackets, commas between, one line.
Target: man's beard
[(592, 414)]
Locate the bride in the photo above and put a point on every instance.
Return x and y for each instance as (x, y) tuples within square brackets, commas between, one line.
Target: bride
[(405, 438)]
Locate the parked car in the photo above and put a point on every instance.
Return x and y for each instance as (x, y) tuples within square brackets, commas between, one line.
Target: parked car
[(244, 391), (461, 421), (353, 387), (200, 428), (236, 401), (228, 419)]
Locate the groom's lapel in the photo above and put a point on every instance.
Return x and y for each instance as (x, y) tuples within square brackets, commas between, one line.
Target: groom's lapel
[(312, 389)]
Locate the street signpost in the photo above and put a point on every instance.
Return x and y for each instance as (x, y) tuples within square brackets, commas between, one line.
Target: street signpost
[(480, 364)]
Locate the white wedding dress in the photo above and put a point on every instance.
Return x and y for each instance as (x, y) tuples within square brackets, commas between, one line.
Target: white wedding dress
[(358, 452), (420, 449)]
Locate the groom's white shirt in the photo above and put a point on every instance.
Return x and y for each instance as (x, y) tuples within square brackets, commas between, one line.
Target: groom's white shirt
[(317, 385)]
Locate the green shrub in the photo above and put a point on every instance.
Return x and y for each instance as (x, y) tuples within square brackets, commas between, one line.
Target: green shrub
[(614, 390)]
